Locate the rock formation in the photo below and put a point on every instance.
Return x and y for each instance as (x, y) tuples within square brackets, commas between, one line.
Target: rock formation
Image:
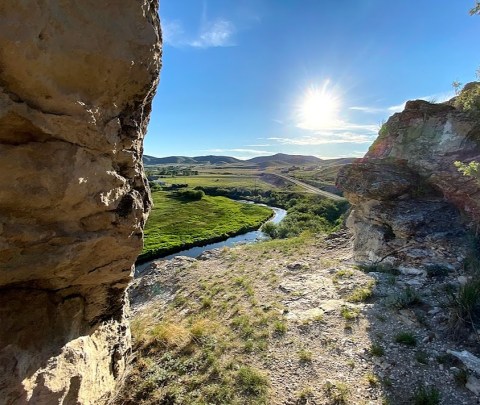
[(76, 84), (410, 203)]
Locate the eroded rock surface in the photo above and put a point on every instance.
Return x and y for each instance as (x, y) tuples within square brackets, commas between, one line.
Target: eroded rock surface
[(410, 203), (76, 84)]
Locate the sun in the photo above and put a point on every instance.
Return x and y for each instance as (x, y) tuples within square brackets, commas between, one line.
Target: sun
[(319, 108)]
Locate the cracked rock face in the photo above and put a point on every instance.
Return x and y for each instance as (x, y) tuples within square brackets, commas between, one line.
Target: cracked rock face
[(76, 85), (411, 206)]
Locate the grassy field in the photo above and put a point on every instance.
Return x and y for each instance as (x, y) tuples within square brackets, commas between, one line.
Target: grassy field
[(175, 224), (250, 182)]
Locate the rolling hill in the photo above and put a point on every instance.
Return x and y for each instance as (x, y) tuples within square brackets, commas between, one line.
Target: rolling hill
[(185, 160), (279, 159), (284, 159)]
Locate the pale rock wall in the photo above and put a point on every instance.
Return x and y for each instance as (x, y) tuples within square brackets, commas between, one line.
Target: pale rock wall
[(76, 85)]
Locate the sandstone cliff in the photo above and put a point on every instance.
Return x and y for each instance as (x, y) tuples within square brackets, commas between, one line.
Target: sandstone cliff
[(76, 84), (411, 206)]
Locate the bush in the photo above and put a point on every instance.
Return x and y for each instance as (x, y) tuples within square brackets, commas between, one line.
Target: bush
[(251, 381), (469, 99), (406, 338), (407, 298), (465, 304), (270, 229), (190, 195), (426, 396)]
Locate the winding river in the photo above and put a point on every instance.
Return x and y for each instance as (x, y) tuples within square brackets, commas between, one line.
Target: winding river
[(248, 237)]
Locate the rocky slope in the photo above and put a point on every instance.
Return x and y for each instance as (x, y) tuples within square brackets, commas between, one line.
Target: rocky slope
[(76, 84), (294, 322), (411, 206)]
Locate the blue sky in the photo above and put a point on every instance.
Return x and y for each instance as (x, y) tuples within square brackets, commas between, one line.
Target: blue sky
[(255, 77)]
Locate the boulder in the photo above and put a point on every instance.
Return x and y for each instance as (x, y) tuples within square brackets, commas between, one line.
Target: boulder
[(411, 205), (76, 84)]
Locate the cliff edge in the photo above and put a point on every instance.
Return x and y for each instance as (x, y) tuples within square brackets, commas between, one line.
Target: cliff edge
[(76, 85), (411, 205)]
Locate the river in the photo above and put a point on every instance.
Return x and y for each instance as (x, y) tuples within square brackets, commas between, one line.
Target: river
[(248, 237)]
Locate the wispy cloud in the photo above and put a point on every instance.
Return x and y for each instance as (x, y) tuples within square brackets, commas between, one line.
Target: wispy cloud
[(434, 98), (259, 145), (369, 110), (338, 126), (212, 34), (173, 32), (326, 138), (216, 33)]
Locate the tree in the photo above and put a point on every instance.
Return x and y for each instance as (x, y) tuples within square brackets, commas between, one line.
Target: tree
[(476, 8)]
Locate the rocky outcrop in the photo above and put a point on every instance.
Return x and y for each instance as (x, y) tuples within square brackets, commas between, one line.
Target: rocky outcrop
[(76, 84), (410, 203)]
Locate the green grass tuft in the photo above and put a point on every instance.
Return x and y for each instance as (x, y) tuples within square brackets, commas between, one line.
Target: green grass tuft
[(406, 338), (426, 396)]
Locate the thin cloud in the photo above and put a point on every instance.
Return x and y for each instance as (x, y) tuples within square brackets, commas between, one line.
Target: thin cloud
[(339, 126), (326, 139), (433, 98), (368, 110), (215, 34), (173, 33), (259, 145), (212, 34)]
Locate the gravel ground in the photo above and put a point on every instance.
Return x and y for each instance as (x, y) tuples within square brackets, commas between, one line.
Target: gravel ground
[(343, 339)]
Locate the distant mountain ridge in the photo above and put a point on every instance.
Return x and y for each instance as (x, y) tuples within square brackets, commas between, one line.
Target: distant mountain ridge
[(285, 159), (277, 159), (211, 159)]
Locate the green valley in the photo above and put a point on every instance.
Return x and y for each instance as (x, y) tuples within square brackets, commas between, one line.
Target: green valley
[(177, 223)]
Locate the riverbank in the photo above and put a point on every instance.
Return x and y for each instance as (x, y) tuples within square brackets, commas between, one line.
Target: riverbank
[(175, 224)]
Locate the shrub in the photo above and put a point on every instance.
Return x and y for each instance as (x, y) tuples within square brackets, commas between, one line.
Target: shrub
[(469, 98), (349, 313), (421, 357), (465, 304), (406, 338), (376, 350), (251, 381), (426, 396), (337, 392), (190, 195), (270, 229), (171, 335), (361, 294), (280, 327), (305, 356), (407, 298)]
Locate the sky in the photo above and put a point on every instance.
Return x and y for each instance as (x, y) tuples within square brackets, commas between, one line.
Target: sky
[(246, 78)]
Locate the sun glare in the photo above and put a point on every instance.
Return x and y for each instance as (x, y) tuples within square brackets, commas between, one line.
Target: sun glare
[(319, 108)]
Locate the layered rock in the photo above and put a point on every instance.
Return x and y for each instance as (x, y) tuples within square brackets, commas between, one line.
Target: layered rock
[(76, 85), (410, 203)]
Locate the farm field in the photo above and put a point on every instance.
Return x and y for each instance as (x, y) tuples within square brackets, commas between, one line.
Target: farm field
[(229, 180)]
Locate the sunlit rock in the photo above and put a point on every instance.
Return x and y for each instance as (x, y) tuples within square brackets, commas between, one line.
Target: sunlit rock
[(76, 84)]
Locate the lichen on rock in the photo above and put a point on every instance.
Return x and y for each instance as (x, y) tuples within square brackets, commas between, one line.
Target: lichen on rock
[(76, 85)]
